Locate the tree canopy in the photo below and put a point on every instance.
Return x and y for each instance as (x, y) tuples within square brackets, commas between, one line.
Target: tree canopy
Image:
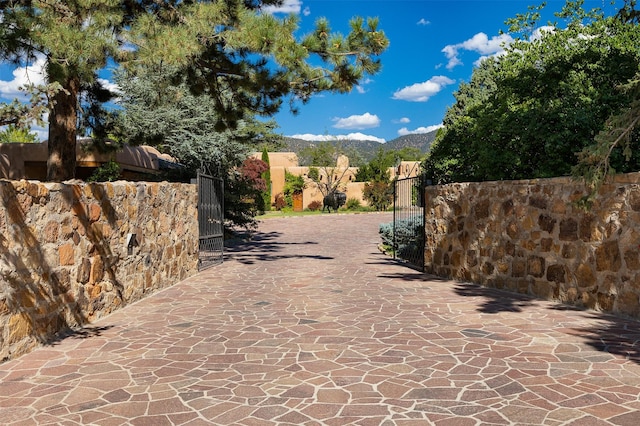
[(377, 170), (528, 113), (15, 134), (245, 60), (183, 124)]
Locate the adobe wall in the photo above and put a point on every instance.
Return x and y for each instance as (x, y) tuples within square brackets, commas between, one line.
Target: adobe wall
[(29, 160), (529, 237), (280, 162), (64, 258)]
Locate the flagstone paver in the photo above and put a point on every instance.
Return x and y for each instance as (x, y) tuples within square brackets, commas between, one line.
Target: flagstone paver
[(310, 324)]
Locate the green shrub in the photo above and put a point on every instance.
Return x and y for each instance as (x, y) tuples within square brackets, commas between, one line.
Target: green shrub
[(353, 204), (293, 184), (409, 234), (108, 172)]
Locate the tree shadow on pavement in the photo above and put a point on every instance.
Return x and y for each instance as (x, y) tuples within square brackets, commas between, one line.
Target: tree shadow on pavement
[(78, 333), (495, 300), (613, 334), (412, 275), (261, 247)]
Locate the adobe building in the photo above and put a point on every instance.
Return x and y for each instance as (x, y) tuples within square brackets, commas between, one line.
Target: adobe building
[(280, 162), (29, 161)]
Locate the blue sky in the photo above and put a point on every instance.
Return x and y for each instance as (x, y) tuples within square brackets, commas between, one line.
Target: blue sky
[(434, 45)]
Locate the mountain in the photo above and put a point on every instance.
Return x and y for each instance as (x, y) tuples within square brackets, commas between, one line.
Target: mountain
[(422, 141), (366, 150)]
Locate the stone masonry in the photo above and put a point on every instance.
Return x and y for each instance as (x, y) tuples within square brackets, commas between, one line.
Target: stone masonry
[(531, 237), (74, 252)]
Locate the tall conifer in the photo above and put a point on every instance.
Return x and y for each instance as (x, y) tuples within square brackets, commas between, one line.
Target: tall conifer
[(266, 195), (246, 60)]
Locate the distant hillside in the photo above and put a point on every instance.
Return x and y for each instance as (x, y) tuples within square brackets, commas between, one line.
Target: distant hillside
[(366, 149), (422, 141)]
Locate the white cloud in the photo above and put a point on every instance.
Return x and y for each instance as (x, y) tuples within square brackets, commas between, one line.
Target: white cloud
[(110, 86), (324, 138), (539, 32), (306, 11), (32, 74), (360, 88), (482, 58), (10, 89), (404, 131), (403, 120), (421, 92), (288, 6), (364, 121), (423, 21), (479, 43)]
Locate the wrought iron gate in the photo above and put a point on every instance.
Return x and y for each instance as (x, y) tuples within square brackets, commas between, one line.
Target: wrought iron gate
[(408, 221), (210, 221)]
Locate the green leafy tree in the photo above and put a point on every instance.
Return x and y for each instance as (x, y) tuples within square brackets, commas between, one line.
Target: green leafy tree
[(621, 135), (615, 146), (379, 195), (244, 59), (450, 158), (14, 134), (377, 170), (378, 189), (527, 113), (293, 184), (410, 153)]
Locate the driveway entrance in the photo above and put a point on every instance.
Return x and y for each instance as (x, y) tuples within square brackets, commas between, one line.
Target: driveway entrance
[(309, 324)]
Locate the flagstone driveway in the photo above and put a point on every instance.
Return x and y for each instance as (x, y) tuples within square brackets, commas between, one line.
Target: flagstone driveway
[(309, 324)]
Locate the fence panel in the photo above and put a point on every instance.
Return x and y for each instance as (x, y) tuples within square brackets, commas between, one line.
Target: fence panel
[(408, 221), (210, 221)]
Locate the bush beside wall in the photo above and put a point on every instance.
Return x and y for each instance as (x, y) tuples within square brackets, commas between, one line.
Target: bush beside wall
[(65, 259), (530, 237)]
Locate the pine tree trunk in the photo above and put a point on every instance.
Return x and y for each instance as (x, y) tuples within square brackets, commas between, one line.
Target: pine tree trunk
[(61, 163)]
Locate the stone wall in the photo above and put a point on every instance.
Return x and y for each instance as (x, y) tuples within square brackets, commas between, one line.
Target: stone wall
[(530, 237), (72, 253)]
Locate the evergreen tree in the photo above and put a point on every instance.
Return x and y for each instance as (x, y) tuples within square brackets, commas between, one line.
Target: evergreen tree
[(244, 59), (76, 38), (183, 124), (266, 176)]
